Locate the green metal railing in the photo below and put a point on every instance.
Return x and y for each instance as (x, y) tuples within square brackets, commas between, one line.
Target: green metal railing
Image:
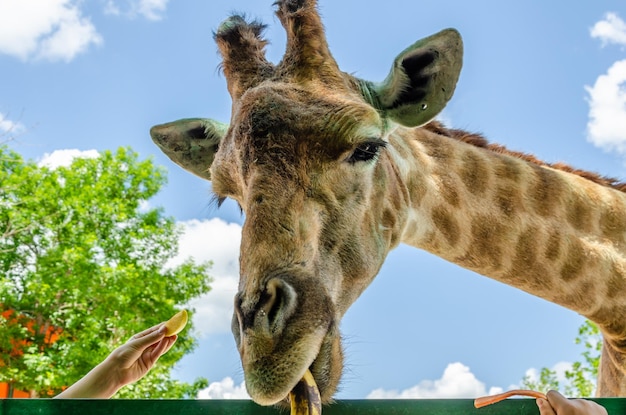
[(614, 406)]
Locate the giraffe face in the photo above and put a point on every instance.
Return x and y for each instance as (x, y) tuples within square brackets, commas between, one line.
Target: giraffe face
[(303, 166), (307, 157)]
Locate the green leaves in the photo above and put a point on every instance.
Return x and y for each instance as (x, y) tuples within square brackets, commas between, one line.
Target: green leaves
[(82, 251), (580, 381)]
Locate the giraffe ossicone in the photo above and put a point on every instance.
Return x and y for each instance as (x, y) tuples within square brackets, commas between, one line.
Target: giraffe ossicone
[(332, 172)]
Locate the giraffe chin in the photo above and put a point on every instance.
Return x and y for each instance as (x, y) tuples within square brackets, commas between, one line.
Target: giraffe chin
[(326, 369)]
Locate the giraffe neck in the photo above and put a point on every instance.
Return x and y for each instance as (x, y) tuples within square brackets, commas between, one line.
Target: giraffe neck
[(550, 233)]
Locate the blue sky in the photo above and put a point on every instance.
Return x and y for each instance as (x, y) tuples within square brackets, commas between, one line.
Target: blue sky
[(540, 77)]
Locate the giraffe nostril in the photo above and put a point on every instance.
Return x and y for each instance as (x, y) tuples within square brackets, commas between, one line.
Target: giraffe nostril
[(278, 305), (269, 315)]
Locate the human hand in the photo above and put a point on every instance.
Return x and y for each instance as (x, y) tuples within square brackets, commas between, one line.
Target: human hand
[(126, 364), (557, 404), (131, 361)]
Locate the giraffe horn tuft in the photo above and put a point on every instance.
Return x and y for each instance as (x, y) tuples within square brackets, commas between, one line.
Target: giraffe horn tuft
[(307, 55), (242, 47)]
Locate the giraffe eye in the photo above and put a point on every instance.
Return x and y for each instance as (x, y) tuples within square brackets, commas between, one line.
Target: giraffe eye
[(366, 152)]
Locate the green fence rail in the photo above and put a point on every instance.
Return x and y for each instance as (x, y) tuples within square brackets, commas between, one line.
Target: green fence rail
[(614, 406)]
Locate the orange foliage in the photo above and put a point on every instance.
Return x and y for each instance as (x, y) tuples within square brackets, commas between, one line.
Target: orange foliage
[(51, 335)]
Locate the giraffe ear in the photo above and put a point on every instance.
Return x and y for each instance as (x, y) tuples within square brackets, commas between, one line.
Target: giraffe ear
[(422, 79), (191, 143)]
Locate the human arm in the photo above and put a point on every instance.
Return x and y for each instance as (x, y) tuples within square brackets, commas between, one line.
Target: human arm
[(557, 404), (126, 364)]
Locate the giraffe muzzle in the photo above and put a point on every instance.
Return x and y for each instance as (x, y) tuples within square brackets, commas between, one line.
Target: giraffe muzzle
[(282, 332)]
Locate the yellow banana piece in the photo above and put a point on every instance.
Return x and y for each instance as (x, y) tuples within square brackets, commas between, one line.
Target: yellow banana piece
[(305, 397), (175, 324)]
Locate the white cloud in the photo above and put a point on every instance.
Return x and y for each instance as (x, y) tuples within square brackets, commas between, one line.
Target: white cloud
[(51, 29), (457, 381), (63, 158), (607, 109), (217, 241), (8, 126), (606, 127), (150, 9), (58, 30), (226, 389), (610, 30)]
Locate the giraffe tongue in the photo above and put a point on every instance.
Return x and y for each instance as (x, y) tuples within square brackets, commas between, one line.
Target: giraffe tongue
[(305, 397)]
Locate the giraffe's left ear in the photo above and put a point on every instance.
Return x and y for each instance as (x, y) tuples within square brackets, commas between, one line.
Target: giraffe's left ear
[(422, 79)]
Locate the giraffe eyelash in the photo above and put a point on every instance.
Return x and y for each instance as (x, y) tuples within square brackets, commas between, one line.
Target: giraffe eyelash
[(217, 201), (367, 151)]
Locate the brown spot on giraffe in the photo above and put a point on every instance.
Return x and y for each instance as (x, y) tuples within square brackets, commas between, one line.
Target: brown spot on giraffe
[(483, 250), (526, 255), (553, 245), (509, 199), (448, 189), (613, 221), (446, 224), (579, 213), (525, 249), (508, 169), (440, 150), (616, 283), (546, 191), (474, 173), (332, 171), (574, 261)]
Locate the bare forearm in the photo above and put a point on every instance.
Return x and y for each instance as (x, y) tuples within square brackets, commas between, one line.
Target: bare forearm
[(99, 383)]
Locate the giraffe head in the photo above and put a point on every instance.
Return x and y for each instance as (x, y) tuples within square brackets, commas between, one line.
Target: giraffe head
[(307, 158)]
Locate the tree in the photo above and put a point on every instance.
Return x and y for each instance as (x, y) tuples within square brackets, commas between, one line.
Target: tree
[(581, 379), (83, 267)]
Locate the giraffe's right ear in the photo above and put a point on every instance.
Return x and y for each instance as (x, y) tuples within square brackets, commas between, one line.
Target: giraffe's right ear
[(191, 143), (422, 79)]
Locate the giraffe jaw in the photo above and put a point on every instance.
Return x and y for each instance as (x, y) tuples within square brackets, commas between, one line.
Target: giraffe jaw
[(325, 366)]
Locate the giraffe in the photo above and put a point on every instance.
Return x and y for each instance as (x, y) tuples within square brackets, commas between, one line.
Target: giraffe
[(333, 171)]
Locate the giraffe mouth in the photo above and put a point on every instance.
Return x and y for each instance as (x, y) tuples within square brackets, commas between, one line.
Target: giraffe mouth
[(305, 396), (325, 371)]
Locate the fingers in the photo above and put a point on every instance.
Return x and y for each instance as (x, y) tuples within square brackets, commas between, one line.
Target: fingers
[(544, 407), (147, 338), (148, 346), (161, 348), (146, 331), (557, 401)]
